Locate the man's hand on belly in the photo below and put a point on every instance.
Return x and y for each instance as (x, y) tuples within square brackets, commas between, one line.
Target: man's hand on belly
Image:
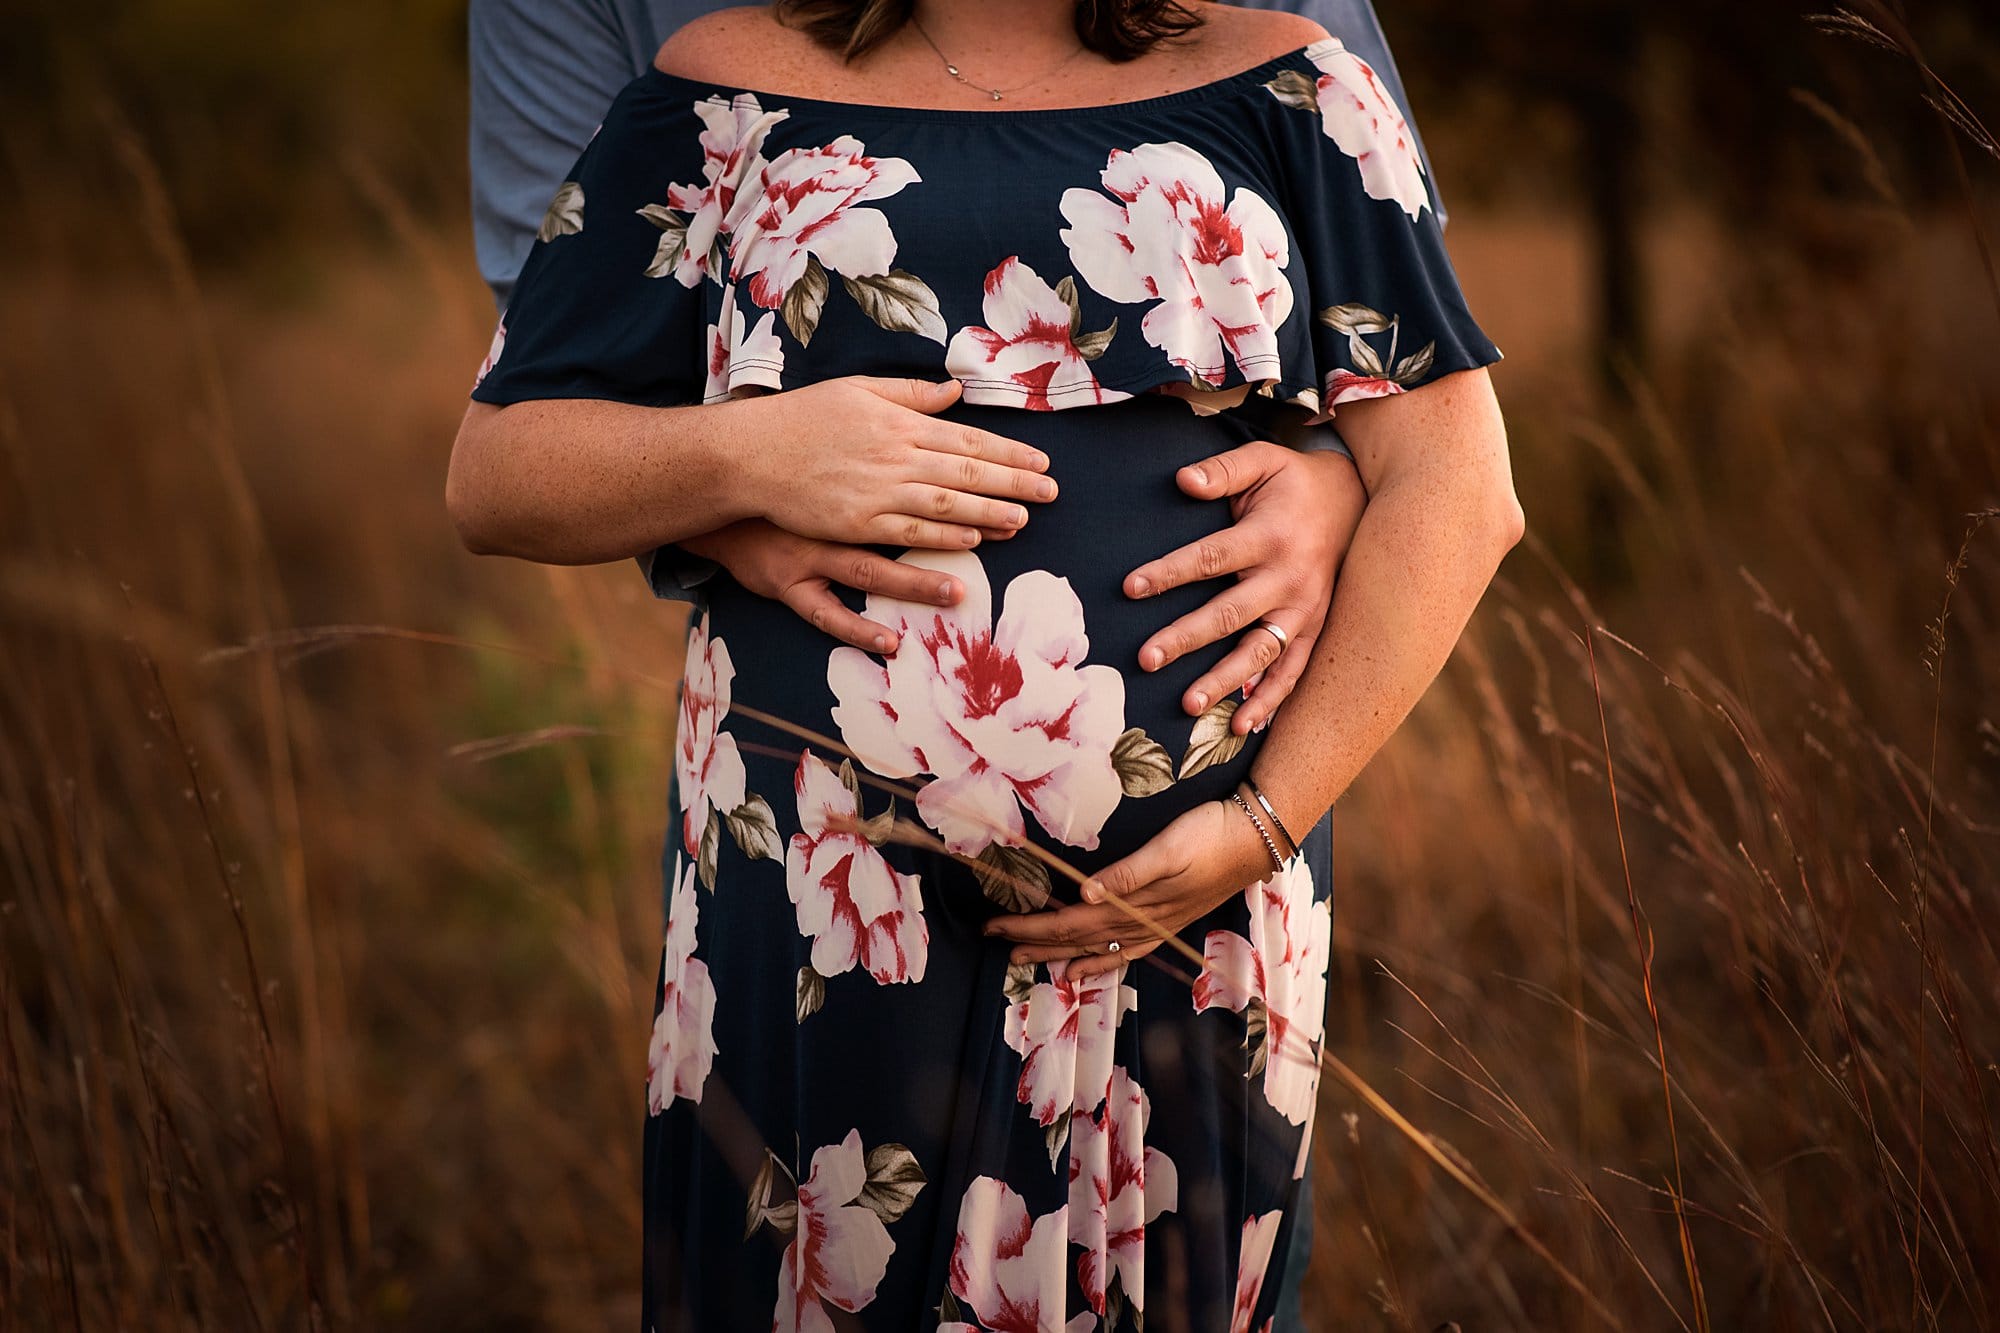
[(801, 571), (1295, 515)]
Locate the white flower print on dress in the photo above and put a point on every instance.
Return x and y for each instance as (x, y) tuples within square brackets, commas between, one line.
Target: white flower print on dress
[(1117, 1184), (1063, 1032), (708, 769), (1010, 1269), (1281, 971), (683, 1045), (1001, 712), (852, 904), (731, 148), (493, 351), (1253, 1261), (806, 203), (840, 1248), (1215, 266), (1357, 113), (738, 358), (1033, 352)]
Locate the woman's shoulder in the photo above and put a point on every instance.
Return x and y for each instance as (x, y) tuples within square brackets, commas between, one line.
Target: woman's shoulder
[(1238, 38), (742, 46)]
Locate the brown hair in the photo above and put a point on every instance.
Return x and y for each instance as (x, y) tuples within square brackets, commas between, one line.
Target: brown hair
[(1115, 29)]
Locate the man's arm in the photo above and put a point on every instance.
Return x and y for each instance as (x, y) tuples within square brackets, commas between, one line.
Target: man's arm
[(542, 73)]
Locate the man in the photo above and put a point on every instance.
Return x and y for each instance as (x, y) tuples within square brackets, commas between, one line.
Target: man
[(542, 74)]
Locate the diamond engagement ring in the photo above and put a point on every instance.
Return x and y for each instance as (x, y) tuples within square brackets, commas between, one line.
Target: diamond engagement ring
[(1113, 947), (1277, 632)]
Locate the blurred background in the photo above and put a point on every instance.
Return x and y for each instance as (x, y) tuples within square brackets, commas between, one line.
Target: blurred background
[(330, 905)]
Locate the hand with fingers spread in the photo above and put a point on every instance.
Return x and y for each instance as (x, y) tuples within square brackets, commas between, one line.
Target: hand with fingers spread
[(801, 572), (1295, 514), (1185, 871)]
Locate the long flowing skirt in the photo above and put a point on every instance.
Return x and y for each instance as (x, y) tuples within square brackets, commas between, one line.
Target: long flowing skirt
[(860, 1116)]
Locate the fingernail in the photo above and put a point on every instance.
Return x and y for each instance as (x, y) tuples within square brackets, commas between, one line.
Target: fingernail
[(881, 643), (1201, 475), (1200, 700), (1017, 516), (1140, 587), (944, 591), (1046, 491), (1151, 658), (990, 928), (969, 539), (1041, 459), (1092, 891)]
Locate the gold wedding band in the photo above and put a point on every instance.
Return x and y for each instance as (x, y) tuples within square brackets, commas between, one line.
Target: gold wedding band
[(1277, 632)]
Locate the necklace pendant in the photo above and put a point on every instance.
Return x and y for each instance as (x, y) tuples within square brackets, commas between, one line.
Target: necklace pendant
[(951, 70), (996, 97)]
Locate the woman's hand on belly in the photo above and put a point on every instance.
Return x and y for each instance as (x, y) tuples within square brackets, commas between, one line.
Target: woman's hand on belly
[(864, 459), (1185, 871), (1295, 514)]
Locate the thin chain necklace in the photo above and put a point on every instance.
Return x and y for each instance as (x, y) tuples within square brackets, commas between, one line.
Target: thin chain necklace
[(995, 93)]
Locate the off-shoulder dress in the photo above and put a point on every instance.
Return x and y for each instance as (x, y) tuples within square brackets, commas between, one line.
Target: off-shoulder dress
[(859, 1115)]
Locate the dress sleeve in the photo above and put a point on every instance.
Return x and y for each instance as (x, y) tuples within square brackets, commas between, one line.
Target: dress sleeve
[(1386, 310), (601, 309)]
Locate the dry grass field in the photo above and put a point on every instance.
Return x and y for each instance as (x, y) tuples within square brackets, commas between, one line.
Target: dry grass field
[(1667, 984)]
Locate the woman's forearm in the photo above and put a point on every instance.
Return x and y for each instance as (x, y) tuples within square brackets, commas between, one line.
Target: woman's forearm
[(860, 459), (1428, 544), (628, 479)]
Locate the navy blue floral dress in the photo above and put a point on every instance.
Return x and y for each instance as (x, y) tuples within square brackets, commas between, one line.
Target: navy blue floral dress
[(860, 1115)]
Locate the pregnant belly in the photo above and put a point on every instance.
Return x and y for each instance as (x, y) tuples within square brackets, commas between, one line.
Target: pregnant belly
[(1023, 710)]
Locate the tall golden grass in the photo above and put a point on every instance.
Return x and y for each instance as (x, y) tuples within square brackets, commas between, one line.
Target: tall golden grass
[(1669, 921)]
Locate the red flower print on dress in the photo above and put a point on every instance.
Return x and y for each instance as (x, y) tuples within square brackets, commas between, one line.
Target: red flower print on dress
[(1278, 977), (736, 357), (1116, 1186), (1063, 1031), (1344, 386), (1033, 353), (707, 767), (683, 1045), (731, 148), (1012, 1270), (493, 351), (1253, 1261), (1003, 712), (1214, 265), (1377, 373), (806, 204), (1357, 113), (840, 1248), (851, 902)]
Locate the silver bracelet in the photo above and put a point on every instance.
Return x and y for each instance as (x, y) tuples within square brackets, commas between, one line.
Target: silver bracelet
[(1276, 822), (1277, 862)]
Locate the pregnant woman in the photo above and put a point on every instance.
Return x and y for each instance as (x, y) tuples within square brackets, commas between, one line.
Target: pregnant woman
[(904, 1073)]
